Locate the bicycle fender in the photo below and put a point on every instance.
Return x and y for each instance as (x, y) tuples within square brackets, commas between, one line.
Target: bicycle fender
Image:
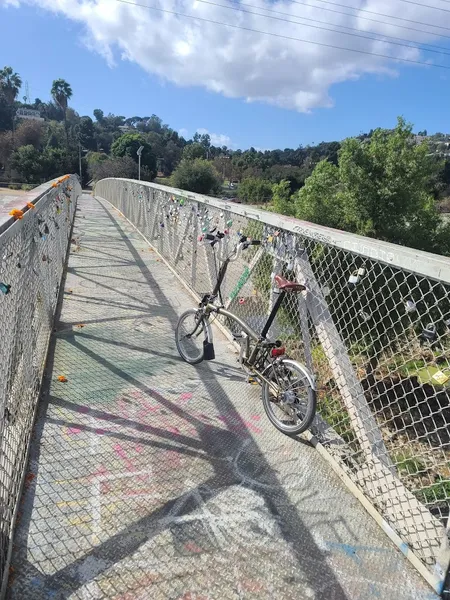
[(307, 373)]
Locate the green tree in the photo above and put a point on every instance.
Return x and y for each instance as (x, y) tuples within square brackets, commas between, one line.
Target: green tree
[(193, 151), (62, 92), (318, 200), (197, 175), (96, 157), (99, 115), (10, 84), (123, 166), (27, 164), (204, 139), (58, 161), (30, 132), (255, 191), (87, 133), (282, 200), (6, 147), (172, 156), (128, 145), (387, 186), (383, 187), (5, 114), (54, 134)]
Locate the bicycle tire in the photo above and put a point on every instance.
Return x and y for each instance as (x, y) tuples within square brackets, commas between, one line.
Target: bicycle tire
[(269, 404), (183, 346)]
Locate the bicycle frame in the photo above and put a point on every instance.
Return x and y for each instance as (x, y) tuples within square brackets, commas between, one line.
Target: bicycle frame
[(262, 348), (251, 333)]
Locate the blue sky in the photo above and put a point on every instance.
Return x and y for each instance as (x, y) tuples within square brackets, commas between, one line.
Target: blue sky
[(43, 46)]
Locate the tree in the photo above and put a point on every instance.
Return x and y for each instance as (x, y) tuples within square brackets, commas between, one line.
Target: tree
[(282, 201), (387, 185), (123, 166), (128, 145), (57, 161), (318, 201), (62, 92), (96, 157), (30, 132), (10, 84), (27, 164), (51, 111), (172, 156), (5, 114), (54, 134), (98, 114), (193, 151), (6, 147), (154, 123), (383, 188), (204, 139), (197, 175), (87, 133), (255, 191)]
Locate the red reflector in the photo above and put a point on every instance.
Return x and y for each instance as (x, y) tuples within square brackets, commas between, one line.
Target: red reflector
[(278, 351)]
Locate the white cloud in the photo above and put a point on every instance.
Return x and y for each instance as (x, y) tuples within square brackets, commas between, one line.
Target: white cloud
[(217, 139), (239, 63)]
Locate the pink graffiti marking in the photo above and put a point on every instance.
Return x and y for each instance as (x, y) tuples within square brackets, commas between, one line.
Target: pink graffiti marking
[(237, 425), (100, 474), (123, 455), (192, 547), (73, 430), (185, 397)]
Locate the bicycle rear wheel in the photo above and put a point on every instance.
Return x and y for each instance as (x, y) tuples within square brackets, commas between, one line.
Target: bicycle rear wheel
[(290, 402), (190, 334)]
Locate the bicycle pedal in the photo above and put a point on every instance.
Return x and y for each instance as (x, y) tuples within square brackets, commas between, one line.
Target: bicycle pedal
[(252, 381)]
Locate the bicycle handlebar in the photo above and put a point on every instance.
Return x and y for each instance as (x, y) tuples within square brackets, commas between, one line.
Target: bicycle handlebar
[(214, 237)]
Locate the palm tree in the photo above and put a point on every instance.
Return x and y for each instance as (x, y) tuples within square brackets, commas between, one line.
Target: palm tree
[(61, 92), (10, 84)]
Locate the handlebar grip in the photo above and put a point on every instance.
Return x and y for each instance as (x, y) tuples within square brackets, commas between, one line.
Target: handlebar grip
[(210, 236), (256, 242)]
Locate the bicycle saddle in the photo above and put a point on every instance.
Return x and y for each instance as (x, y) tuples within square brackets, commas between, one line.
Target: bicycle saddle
[(288, 286)]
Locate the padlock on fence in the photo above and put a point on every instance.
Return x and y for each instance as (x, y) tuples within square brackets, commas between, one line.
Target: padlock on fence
[(355, 276), (410, 306), (429, 334)]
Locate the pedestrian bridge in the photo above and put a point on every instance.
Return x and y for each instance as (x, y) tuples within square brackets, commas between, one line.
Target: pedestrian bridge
[(129, 474)]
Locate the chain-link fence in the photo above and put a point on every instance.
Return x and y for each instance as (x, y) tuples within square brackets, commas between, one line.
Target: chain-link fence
[(33, 250), (374, 327)]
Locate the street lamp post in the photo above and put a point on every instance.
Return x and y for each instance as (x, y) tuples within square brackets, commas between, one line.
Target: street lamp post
[(139, 153)]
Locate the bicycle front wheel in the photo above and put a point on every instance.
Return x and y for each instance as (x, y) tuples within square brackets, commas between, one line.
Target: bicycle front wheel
[(290, 399), (190, 334)]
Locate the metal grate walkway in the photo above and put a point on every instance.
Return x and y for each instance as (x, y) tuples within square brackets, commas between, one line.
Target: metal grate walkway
[(153, 479)]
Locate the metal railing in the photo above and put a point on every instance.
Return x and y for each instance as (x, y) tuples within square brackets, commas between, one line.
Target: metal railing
[(33, 250), (374, 326)]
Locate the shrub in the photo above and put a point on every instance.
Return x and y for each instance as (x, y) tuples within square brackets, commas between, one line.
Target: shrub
[(197, 176)]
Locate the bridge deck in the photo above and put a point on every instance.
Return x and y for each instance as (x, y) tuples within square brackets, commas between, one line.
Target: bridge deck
[(152, 479)]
